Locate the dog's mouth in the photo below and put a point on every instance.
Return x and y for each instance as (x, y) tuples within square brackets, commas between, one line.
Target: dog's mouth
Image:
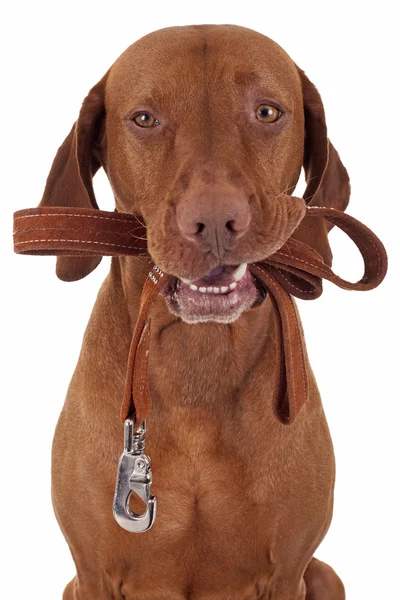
[(221, 295)]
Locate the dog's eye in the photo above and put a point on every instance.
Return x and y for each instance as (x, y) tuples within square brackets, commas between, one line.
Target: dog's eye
[(145, 120), (268, 113)]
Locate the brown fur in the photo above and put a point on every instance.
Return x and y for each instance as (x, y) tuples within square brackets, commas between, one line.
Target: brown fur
[(244, 501)]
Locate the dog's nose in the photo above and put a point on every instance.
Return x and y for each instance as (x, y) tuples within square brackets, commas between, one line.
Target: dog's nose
[(214, 220)]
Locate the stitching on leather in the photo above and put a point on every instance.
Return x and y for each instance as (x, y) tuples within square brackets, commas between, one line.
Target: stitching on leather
[(80, 242), (321, 207), (292, 284), (143, 368), (301, 353), (291, 356), (295, 404), (35, 216), (291, 375), (347, 227), (357, 235), (88, 231), (323, 267)]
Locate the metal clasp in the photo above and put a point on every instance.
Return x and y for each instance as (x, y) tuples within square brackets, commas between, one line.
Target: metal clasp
[(134, 475)]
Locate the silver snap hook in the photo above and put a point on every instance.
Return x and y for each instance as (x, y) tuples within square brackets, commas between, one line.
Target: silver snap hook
[(134, 475)]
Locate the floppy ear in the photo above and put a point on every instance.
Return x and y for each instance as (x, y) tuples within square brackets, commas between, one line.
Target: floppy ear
[(327, 179), (69, 182)]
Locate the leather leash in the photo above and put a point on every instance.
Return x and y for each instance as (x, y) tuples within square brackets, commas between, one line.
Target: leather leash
[(294, 270)]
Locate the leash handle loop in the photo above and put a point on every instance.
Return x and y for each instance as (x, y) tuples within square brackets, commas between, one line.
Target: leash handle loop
[(294, 270), (300, 269)]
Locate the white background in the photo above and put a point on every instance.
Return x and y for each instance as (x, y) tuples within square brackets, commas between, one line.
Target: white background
[(52, 53)]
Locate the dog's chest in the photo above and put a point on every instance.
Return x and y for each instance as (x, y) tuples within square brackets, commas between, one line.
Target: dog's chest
[(224, 512), (227, 476), (207, 533)]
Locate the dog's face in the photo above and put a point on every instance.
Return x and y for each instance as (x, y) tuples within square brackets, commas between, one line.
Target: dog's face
[(201, 131), (206, 148)]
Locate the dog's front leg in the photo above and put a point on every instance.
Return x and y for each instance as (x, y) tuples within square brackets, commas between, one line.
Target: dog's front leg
[(322, 583), (94, 590)]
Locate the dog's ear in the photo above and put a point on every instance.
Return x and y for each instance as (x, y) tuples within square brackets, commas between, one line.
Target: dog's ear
[(327, 179), (69, 182)]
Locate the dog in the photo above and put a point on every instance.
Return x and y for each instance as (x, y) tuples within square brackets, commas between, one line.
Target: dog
[(202, 132)]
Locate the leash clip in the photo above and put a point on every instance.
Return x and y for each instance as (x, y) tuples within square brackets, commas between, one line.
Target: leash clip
[(134, 475)]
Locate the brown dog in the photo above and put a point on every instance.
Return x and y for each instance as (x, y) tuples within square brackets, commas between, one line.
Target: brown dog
[(203, 131)]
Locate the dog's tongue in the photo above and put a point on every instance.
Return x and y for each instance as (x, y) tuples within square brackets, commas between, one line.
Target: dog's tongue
[(219, 276)]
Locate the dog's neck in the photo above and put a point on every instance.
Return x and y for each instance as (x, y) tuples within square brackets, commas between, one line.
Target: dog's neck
[(198, 364)]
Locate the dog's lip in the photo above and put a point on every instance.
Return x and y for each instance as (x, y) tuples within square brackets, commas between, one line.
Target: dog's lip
[(222, 303)]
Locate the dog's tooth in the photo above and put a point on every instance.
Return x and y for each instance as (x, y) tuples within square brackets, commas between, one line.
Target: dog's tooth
[(240, 271), (187, 281), (224, 289), (233, 285), (210, 289), (203, 290), (217, 290), (193, 287)]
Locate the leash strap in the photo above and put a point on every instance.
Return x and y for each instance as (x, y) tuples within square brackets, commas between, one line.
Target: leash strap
[(294, 270), (65, 231), (298, 270)]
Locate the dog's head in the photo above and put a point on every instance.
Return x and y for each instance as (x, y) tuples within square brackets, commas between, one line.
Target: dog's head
[(203, 131)]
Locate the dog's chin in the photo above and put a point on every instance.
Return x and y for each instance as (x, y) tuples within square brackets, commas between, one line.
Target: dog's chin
[(220, 296)]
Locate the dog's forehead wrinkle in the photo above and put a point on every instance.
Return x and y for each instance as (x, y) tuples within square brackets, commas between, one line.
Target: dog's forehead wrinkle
[(205, 50), (244, 77)]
